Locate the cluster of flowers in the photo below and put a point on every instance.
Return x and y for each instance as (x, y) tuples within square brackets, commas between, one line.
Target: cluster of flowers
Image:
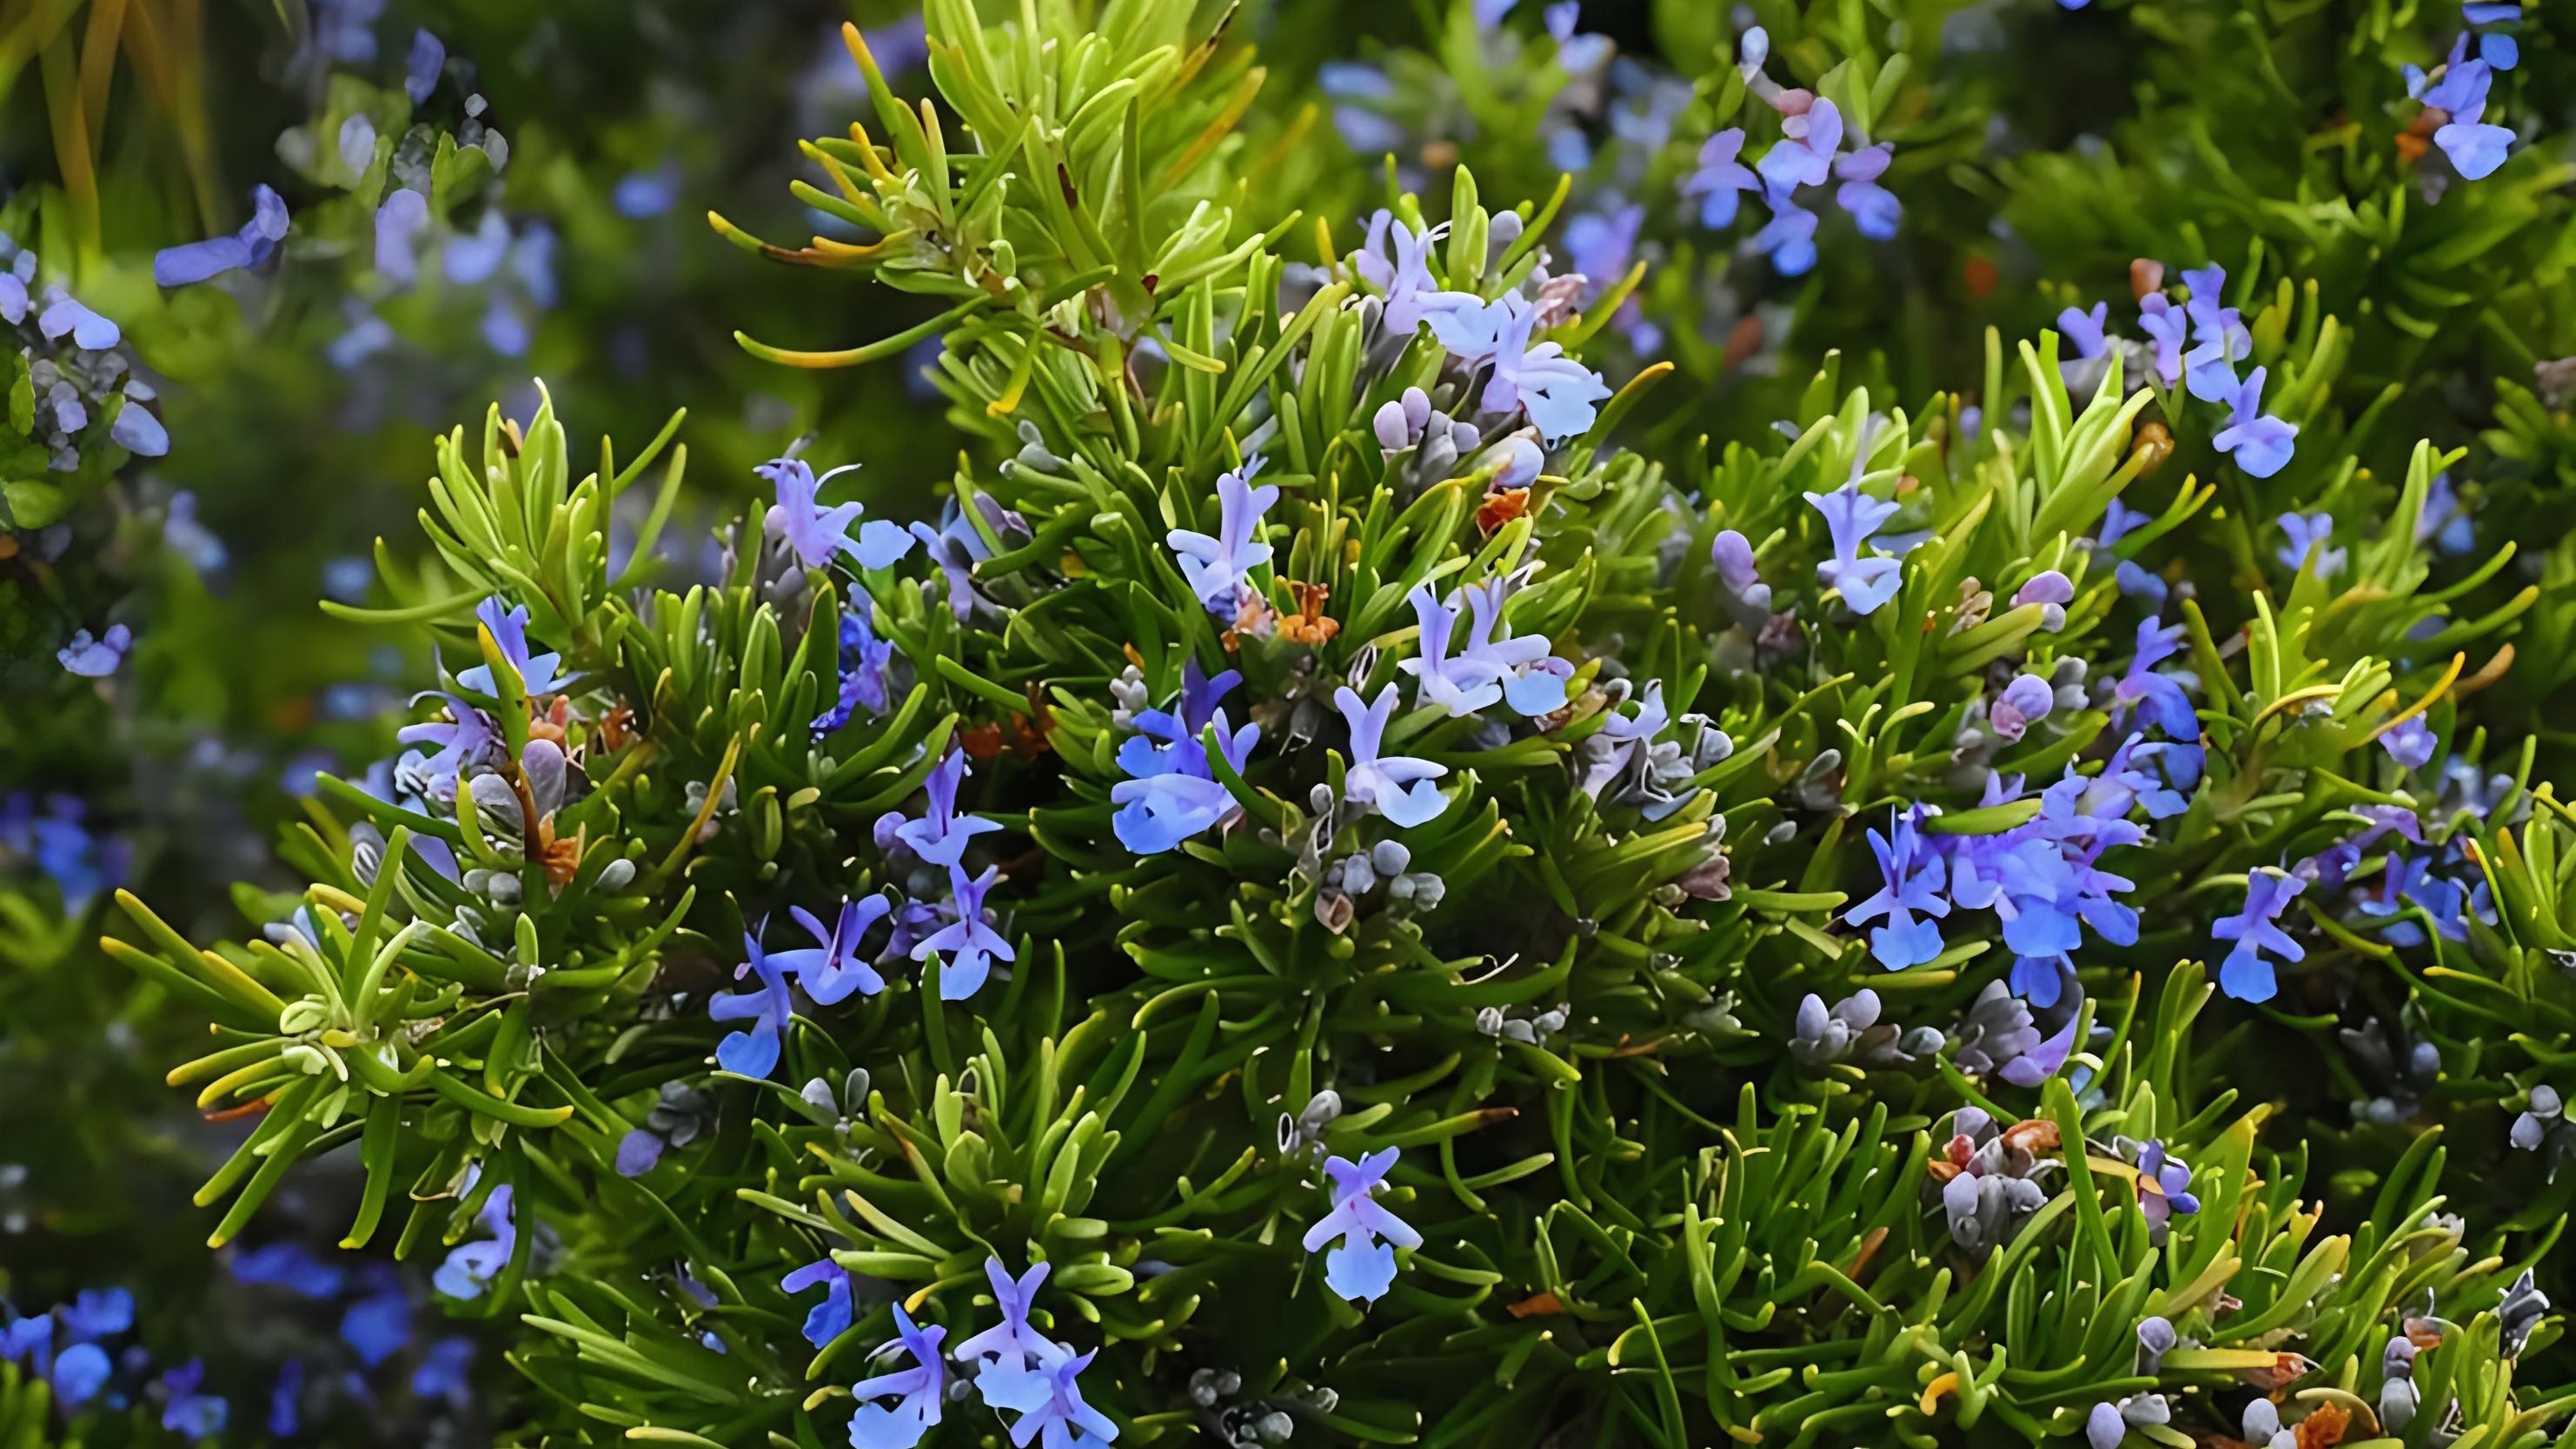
[(1809, 153)]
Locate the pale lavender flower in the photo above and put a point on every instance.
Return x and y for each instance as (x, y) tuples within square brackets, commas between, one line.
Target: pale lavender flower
[(2307, 534), (2023, 702), (918, 1390), (1719, 178), (816, 534), (1398, 787), (970, 944), (1361, 1265), (1219, 569), (2261, 444), (96, 658), (1559, 395), (1804, 154), (1873, 207), (196, 261)]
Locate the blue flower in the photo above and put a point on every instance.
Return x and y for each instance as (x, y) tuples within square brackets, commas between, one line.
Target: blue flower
[(1173, 793), (507, 627), (832, 1317), (1048, 1401), (863, 662), (445, 1370), (2307, 544), (2444, 519), (470, 1267), (1718, 177), (918, 1390), (1559, 395), (87, 329), (832, 968), (1219, 569), (97, 1313), (188, 1412), (182, 265), (2476, 149), (816, 534), (970, 945), (1361, 1265), (466, 739), (2084, 330), (1011, 1341), (422, 66), (2222, 337), (2245, 975), (96, 658), (768, 1006), (399, 223), (2262, 444), (1804, 154), (1913, 882), (378, 1325), (78, 863), (643, 195), (289, 1265), (941, 835), (2496, 48), (1398, 787), (78, 1373), (286, 1400), (1851, 517)]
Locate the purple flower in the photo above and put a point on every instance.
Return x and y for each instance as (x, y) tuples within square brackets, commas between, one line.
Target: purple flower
[(830, 1318), (1012, 1341), (2023, 702), (188, 1412), (2084, 331), (2118, 519), (2262, 444), (2164, 1186), (471, 1267), (1789, 238), (2497, 49), (1851, 516), (2046, 1059), (971, 945), (919, 1390), (2411, 743), (2165, 329), (643, 195), (2103, 1428), (2307, 534), (1398, 787), (1719, 177), (97, 1313), (78, 1373), (2158, 698), (767, 1007), (196, 261), (815, 533), (1558, 394), (1600, 245), (941, 835), (863, 662), (1622, 737), (1804, 154), (1872, 206), (832, 969), (1361, 1266), (2245, 975), (1914, 883), (465, 739), (507, 628), (1219, 569), (96, 658)]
